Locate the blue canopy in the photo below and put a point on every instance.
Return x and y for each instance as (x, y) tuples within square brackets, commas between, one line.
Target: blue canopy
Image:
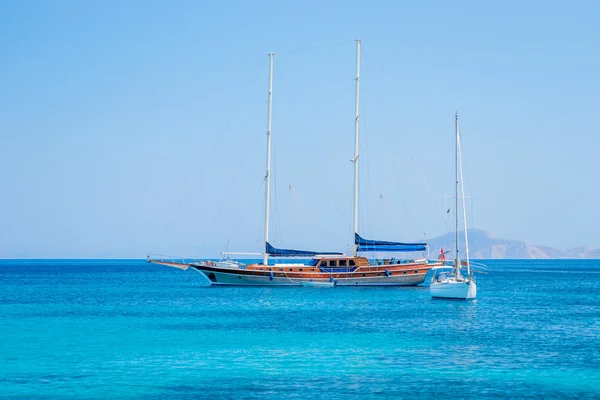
[(380, 245), (272, 251)]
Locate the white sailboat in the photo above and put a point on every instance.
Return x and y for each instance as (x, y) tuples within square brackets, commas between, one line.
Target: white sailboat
[(453, 285)]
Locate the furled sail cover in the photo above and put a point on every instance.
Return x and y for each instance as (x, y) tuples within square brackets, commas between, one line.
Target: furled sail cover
[(379, 245), (272, 251)]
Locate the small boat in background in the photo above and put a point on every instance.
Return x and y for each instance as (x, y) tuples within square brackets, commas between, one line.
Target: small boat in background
[(452, 284)]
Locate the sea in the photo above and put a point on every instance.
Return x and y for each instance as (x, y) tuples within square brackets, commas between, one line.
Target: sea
[(97, 329)]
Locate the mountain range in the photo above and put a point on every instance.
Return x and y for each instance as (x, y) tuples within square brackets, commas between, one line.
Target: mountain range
[(482, 245)]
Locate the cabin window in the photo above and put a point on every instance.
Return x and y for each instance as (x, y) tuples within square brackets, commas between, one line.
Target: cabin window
[(323, 263), (342, 263), (364, 275), (300, 269), (281, 269), (313, 262), (352, 263), (404, 272), (416, 272), (290, 269), (333, 263), (270, 269), (313, 269)]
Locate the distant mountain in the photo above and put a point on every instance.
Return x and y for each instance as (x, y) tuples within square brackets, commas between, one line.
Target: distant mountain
[(483, 245), (584, 252)]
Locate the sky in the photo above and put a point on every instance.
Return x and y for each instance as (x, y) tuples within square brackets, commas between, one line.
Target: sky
[(138, 127)]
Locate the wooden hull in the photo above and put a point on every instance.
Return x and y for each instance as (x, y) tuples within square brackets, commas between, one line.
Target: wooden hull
[(408, 275)]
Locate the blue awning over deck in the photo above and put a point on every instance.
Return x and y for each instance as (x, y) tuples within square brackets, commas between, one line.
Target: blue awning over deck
[(365, 245), (272, 251)]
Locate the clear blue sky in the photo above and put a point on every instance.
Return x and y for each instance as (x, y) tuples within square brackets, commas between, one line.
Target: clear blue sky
[(109, 111)]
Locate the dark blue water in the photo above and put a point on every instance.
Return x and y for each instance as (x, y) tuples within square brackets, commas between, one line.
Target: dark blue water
[(127, 329)]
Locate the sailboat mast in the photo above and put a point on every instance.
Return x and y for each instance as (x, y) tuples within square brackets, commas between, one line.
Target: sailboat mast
[(355, 160), (457, 258), (268, 175)]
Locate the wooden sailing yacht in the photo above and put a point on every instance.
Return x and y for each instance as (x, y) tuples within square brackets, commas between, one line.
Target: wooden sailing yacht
[(324, 269), (453, 285)]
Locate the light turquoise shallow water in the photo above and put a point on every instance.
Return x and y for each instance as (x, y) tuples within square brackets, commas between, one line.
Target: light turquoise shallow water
[(126, 329)]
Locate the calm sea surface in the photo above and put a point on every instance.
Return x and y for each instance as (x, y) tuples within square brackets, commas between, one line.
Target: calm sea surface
[(126, 329)]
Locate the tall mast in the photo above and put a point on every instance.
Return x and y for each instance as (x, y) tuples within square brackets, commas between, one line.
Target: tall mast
[(268, 175), (462, 189), (355, 160), (457, 258)]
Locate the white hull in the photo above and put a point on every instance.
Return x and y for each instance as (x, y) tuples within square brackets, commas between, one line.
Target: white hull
[(233, 278), (454, 289)]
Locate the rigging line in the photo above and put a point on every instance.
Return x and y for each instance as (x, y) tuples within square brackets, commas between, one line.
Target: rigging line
[(250, 203), (373, 78), (445, 209), (462, 186), (386, 206), (408, 215), (277, 225), (210, 153), (299, 202), (250, 139), (338, 208), (318, 46), (367, 98), (435, 202), (414, 171), (367, 159), (470, 190)]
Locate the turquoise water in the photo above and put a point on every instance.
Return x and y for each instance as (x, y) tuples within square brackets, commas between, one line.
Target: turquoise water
[(126, 329)]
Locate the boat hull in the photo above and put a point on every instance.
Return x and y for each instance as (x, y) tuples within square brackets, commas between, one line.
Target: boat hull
[(463, 290), (259, 278)]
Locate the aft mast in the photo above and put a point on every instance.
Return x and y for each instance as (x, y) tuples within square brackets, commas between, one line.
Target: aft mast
[(355, 159), (268, 175)]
